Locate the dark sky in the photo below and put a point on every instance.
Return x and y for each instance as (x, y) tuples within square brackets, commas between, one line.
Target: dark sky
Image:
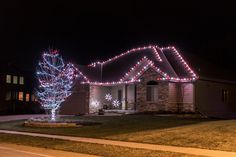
[(91, 30)]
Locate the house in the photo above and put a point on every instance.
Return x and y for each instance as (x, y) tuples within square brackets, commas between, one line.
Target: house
[(149, 79), (17, 91)]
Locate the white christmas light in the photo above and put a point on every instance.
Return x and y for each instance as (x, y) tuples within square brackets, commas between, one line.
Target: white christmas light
[(134, 72), (116, 103), (55, 81), (108, 97), (95, 104), (154, 48)]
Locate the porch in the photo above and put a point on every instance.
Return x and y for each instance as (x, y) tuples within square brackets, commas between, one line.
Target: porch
[(113, 98)]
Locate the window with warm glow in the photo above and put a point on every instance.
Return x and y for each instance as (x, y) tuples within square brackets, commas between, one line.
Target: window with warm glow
[(8, 78), (27, 97), (21, 96), (21, 80), (15, 79)]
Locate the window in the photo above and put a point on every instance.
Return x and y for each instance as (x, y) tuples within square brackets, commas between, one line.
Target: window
[(8, 96), (21, 80), (15, 79), (8, 78), (151, 91), (225, 95), (27, 97), (21, 96), (14, 95)]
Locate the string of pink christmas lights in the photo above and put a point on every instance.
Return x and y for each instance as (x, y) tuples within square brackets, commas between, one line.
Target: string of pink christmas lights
[(148, 63), (94, 64), (184, 63)]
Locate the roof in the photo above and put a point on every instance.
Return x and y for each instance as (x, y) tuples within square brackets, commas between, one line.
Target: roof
[(130, 65), (211, 71)]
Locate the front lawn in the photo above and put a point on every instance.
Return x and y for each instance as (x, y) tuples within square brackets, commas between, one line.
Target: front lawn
[(179, 131), (86, 148)]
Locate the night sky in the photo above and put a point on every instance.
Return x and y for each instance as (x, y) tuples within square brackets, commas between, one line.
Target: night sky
[(87, 31)]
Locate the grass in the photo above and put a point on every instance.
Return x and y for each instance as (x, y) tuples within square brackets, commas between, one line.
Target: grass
[(178, 131), (80, 147)]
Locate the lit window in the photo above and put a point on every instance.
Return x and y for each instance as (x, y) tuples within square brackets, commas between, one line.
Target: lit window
[(27, 97), (21, 96), (151, 91), (21, 80), (8, 78), (8, 96), (15, 79)]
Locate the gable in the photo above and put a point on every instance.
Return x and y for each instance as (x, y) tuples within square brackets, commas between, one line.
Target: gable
[(150, 74), (130, 65)]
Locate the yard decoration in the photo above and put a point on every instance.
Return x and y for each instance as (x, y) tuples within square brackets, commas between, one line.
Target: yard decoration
[(55, 81)]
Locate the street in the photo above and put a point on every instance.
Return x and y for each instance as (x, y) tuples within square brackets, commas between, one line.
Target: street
[(12, 150)]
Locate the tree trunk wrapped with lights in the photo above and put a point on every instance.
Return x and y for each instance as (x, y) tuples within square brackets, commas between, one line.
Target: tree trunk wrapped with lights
[(55, 81)]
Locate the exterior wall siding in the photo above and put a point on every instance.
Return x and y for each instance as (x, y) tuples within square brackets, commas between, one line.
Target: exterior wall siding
[(209, 100), (78, 102), (188, 97), (171, 106)]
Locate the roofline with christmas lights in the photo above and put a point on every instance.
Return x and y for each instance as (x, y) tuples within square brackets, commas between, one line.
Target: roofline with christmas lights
[(136, 78)]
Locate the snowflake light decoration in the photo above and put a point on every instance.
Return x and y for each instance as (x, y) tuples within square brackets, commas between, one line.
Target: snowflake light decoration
[(95, 103), (116, 103), (94, 106), (108, 97)]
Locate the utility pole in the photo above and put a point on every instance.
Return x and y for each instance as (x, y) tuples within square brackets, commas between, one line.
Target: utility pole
[(101, 72)]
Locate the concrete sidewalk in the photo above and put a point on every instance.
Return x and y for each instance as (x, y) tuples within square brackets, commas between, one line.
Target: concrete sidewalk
[(13, 150), (19, 117), (185, 150), (25, 116)]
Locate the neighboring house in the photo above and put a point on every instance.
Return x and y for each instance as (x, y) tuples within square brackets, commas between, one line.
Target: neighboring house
[(149, 79), (16, 94)]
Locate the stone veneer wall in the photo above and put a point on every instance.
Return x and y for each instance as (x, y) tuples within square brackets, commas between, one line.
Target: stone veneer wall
[(169, 95), (142, 104)]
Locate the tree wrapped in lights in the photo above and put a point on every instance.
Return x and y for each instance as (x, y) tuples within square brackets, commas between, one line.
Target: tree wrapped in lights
[(55, 81)]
